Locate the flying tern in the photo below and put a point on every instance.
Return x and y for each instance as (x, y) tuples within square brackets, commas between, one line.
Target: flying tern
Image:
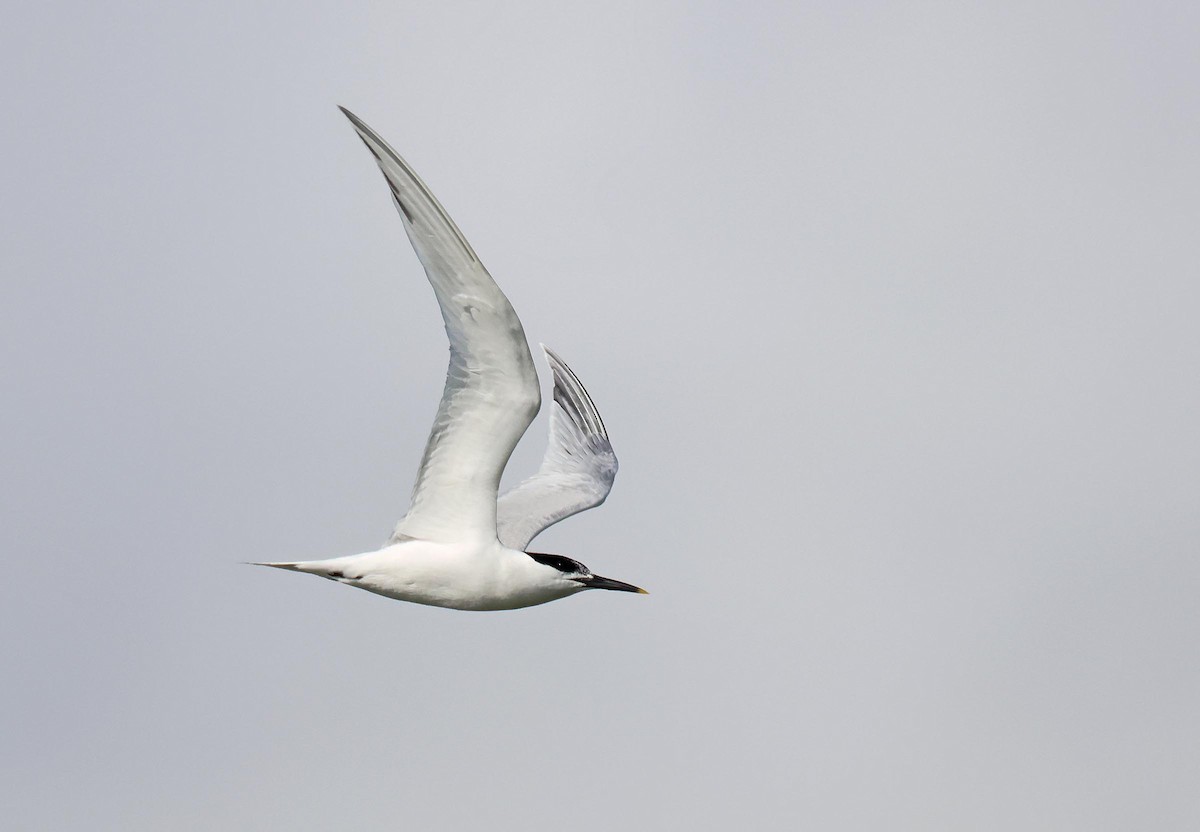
[(460, 546)]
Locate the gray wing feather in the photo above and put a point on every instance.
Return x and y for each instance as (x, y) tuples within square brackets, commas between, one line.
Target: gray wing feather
[(491, 392), (576, 473)]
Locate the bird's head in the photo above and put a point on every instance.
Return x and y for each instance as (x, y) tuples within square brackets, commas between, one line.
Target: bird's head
[(579, 577)]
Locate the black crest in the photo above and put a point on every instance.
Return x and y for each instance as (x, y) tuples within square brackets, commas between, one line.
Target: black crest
[(561, 563)]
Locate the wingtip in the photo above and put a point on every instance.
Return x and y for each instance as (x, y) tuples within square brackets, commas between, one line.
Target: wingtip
[(357, 123), (581, 409)]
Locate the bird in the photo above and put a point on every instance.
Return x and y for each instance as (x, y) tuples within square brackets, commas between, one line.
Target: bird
[(460, 545)]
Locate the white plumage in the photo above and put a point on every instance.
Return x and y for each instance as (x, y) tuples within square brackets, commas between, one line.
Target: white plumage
[(458, 546)]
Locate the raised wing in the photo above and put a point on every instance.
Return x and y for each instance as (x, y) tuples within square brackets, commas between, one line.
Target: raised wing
[(577, 472), (491, 392)]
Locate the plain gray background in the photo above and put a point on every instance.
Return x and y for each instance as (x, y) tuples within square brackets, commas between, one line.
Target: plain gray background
[(891, 310)]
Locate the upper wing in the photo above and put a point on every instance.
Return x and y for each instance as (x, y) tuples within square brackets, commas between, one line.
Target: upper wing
[(577, 472), (491, 392)]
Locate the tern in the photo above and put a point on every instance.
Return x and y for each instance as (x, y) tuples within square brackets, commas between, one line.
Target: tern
[(460, 546)]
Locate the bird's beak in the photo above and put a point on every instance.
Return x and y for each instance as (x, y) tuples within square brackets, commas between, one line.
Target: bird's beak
[(596, 582)]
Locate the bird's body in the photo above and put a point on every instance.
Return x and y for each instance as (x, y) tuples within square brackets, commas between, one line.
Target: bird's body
[(484, 575), (459, 546)]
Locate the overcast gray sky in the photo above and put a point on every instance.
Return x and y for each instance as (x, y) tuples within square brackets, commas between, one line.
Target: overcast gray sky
[(891, 310)]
